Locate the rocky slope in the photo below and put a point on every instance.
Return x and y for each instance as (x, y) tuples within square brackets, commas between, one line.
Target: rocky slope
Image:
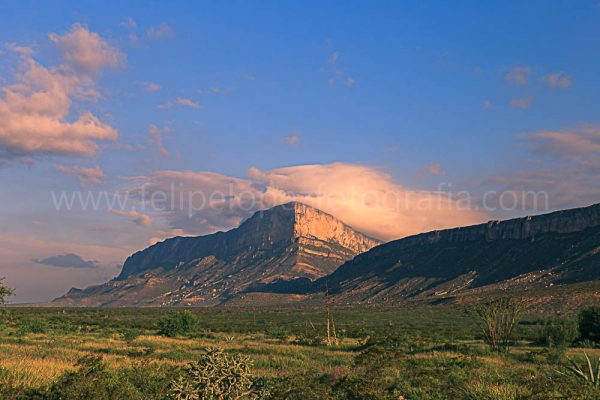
[(519, 255), (283, 243)]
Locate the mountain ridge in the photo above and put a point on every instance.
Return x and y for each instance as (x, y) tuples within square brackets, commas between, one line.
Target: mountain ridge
[(562, 247), (288, 241)]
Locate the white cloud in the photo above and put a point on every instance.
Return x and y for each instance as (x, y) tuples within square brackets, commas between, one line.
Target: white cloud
[(35, 114), (183, 101), (86, 50), (87, 176), (363, 197), (37, 109)]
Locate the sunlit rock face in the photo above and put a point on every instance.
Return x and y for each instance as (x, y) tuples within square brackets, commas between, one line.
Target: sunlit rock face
[(521, 255), (285, 242)]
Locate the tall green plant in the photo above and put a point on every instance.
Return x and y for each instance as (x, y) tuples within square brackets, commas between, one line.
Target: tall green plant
[(497, 320)]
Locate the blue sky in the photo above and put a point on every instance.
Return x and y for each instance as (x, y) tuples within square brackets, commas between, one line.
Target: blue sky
[(472, 95)]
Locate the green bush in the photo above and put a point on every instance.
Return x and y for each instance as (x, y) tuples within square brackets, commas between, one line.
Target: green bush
[(93, 379), (30, 325), (559, 332), (217, 375), (130, 334), (177, 324), (589, 323)]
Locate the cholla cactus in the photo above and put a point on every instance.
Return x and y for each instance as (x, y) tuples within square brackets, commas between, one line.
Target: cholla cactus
[(590, 373), (215, 375)]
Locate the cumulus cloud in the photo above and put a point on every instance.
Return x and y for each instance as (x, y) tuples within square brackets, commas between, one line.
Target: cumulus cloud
[(183, 101), (364, 197), (161, 31), (86, 50), (558, 80), (521, 103), (87, 176), (519, 75), (69, 260), (36, 110)]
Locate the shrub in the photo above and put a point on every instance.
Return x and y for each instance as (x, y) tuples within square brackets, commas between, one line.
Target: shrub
[(559, 332), (130, 334), (179, 323), (93, 379), (30, 325), (589, 323), (216, 375), (497, 320)]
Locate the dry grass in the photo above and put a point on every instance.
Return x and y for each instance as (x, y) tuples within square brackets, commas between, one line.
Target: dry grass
[(34, 360)]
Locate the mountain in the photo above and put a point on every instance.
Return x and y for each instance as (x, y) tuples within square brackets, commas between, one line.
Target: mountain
[(537, 253), (286, 242)]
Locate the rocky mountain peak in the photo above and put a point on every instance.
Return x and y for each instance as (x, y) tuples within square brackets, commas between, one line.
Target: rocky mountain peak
[(286, 242), (295, 221)]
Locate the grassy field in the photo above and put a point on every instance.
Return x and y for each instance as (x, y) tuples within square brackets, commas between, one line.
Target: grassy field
[(384, 353)]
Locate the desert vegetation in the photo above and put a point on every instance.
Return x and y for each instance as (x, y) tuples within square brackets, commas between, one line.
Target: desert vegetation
[(381, 353)]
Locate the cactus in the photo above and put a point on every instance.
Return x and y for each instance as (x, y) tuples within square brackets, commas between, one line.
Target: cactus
[(215, 375)]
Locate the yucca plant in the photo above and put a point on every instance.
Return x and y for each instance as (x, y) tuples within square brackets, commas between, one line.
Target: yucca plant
[(589, 373)]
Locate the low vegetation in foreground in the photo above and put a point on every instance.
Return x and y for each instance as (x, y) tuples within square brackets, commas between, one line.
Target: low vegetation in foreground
[(495, 351)]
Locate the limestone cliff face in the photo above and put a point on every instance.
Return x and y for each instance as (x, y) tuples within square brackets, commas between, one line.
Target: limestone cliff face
[(285, 242), (264, 232), (558, 248), (312, 223), (565, 221)]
